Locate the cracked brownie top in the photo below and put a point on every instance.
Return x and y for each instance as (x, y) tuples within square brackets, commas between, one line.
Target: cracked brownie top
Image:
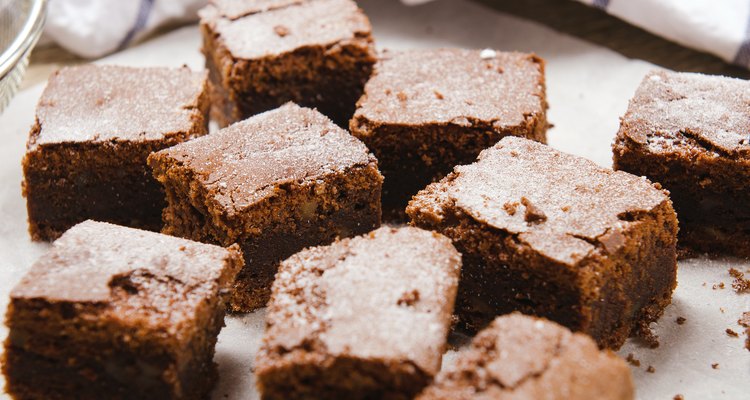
[(524, 357), (562, 205), (114, 103), (366, 298), (687, 112), (253, 29), (457, 86)]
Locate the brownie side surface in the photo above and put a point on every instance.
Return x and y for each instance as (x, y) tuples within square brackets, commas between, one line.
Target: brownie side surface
[(115, 312), (689, 132), (523, 357), (426, 111), (342, 319), (590, 248), (259, 56), (95, 127), (275, 183)]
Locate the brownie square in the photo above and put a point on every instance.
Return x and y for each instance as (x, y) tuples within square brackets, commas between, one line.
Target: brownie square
[(555, 235), (691, 133), (95, 126), (363, 318), (275, 183), (426, 111), (523, 357), (263, 53), (118, 313)]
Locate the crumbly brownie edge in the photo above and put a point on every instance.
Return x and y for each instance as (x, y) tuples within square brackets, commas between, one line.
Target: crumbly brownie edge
[(568, 296), (695, 179)]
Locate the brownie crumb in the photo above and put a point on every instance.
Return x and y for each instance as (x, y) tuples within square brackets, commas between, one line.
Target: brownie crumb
[(719, 285), (721, 309), (715, 365), (409, 298), (401, 96), (680, 320), (632, 360), (439, 95), (533, 213), (510, 208), (678, 397), (651, 369), (740, 284), (645, 333), (732, 333), (281, 30)]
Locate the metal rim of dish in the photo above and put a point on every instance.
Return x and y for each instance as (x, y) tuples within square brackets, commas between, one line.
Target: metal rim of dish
[(14, 59)]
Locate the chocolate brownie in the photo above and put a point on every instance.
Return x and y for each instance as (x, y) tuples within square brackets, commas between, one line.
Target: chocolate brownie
[(275, 183), (95, 126), (118, 313), (262, 53), (426, 111), (522, 357), (551, 234), (363, 318), (691, 133)]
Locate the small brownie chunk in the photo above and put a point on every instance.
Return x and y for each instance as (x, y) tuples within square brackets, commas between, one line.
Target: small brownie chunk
[(95, 127), (551, 234), (261, 54), (118, 313), (426, 111), (275, 183), (363, 318), (521, 357), (691, 133)]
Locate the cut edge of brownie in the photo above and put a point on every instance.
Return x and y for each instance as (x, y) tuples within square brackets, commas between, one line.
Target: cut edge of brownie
[(130, 155), (232, 100), (609, 317), (164, 363)]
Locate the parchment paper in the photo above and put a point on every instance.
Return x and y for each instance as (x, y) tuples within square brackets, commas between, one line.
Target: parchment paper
[(588, 89)]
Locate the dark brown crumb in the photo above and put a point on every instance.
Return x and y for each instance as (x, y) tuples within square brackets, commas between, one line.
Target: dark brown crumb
[(439, 95), (719, 285), (732, 333), (715, 365), (680, 320), (744, 320), (644, 333), (740, 284), (281, 30), (632, 360), (678, 397), (401, 96), (510, 208), (721, 309), (651, 369), (409, 298), (533, 213)]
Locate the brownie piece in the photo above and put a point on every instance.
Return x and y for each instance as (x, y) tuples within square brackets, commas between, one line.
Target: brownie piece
[(363, 318), (95, 126), (551, 234), (426, 111), (522, 357), (262, 53), (275, 183), (118, 313), (691, 133)]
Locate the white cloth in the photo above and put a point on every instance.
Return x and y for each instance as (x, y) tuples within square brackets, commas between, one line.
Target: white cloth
[(92, 28), (721, 27)]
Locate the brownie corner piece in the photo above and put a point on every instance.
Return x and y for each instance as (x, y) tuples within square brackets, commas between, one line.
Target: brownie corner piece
[(366, 317), (116, 312), (590, 248), (274, 183), (425, 111), (95, 126), (261, 54), (524, 357), (691, 133)]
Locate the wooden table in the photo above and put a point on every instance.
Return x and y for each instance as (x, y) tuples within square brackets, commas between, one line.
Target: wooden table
[(563, 15)]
